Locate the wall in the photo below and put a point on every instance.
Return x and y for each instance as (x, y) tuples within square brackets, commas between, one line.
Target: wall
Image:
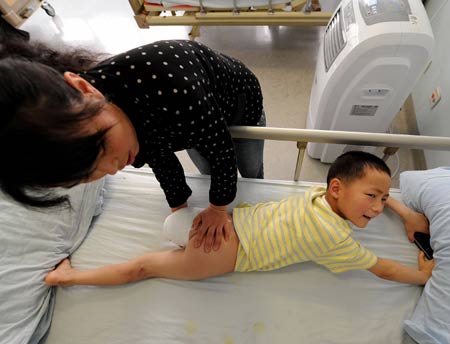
[(436, 121)]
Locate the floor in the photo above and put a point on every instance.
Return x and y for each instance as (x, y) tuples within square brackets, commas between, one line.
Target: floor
[(283, 58)]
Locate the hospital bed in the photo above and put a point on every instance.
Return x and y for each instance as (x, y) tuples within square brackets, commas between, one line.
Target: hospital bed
[(198, 13), (303, 303), (16, 12)]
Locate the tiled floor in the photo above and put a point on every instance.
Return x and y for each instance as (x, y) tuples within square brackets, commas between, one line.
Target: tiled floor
[(283, 58)]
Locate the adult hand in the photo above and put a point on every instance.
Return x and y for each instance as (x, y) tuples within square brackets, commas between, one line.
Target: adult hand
[(184, 205), (211, 225), (415, 222)]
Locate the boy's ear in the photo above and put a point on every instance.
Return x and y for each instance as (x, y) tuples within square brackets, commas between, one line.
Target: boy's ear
[(81, 84), (334, 187)]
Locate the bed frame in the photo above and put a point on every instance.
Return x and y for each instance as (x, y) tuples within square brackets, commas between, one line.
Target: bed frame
[(302, 13)]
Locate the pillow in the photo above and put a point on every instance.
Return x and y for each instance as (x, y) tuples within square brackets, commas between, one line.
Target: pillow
[(429, 192), (32, 242)]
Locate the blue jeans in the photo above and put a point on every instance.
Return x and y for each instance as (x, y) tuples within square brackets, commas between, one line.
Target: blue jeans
[(249, 156)]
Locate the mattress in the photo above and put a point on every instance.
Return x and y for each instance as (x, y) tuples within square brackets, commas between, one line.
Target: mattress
[(303, 303)]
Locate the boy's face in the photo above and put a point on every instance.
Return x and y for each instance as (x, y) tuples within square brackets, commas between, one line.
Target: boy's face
[(362, 199)]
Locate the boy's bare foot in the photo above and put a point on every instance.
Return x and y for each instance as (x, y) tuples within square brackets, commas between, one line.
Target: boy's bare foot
[(61, 275)]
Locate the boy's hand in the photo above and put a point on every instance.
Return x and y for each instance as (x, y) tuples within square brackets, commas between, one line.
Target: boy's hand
[(212, 225), (425, 265), (415, 222), (61, 275)]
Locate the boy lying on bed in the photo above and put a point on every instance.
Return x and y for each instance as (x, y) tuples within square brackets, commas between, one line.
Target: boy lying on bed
[(307, 226)]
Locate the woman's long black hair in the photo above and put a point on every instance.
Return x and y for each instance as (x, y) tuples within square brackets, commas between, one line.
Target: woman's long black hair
[(42, 141)]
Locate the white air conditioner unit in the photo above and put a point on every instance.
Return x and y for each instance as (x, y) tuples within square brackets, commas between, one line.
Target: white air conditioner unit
[(371, 55)]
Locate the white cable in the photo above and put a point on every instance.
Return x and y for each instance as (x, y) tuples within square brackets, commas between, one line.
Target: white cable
[(391, 130), (438, 10), (398, 166)]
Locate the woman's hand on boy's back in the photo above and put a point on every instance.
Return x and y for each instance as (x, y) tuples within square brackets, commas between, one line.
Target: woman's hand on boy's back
[(212, 226)]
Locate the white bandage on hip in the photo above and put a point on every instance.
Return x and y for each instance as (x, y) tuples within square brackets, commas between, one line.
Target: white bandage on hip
[(178, 224)]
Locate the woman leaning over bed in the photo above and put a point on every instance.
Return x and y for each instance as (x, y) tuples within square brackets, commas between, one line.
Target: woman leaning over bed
[(67, 119)]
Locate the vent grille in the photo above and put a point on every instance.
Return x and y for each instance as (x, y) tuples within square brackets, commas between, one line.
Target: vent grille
[(334, 39)]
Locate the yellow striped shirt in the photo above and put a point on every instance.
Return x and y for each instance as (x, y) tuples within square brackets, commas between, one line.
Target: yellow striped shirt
[(297, 229)]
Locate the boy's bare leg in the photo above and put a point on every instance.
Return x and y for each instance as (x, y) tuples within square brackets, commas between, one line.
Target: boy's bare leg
[(183, 264)]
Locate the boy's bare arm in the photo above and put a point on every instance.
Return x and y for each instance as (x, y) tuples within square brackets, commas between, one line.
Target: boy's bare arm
[(394, 271), (414, 221)]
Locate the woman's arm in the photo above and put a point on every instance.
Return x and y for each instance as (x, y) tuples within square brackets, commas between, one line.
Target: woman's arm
[(414, 221), (170, 174), (394, 271)]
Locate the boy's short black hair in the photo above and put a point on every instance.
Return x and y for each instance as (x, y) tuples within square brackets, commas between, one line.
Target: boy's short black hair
[(351, 165)]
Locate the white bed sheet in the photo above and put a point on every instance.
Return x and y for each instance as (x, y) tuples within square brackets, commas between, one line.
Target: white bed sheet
[(303, 303)]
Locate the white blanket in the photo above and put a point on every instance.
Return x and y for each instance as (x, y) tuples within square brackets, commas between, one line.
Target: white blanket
[(299, 304)]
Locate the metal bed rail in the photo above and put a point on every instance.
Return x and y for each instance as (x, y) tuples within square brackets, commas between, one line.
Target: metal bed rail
[(391, 142)]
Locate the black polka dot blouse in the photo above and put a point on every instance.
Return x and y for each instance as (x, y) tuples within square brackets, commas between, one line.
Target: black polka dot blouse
[(179, 95)]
